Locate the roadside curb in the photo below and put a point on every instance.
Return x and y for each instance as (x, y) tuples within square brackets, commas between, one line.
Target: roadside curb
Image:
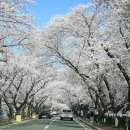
[(90, 125)]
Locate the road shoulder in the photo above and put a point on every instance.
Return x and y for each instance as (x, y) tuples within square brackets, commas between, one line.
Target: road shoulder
[(90, 125)]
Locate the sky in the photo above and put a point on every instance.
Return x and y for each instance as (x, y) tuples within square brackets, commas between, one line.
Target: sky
[(44, 10)]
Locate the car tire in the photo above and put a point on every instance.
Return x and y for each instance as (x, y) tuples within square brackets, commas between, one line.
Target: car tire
[(39, 117)]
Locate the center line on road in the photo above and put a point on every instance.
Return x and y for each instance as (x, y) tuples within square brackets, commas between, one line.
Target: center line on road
[(54, 119), (81, 124), (50, 123), (46, 127)]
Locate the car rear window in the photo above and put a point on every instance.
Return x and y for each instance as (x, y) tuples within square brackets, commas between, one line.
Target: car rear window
[(45, 112), (66, 110)]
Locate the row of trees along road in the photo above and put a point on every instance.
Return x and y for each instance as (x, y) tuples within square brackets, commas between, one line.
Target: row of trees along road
[(24, 75), (93, 41)]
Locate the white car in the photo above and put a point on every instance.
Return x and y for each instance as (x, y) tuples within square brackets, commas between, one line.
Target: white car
[(66, 114)]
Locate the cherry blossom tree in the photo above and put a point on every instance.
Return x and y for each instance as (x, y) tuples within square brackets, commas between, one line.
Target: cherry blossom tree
[(120, 37), (15, 22), (88, 48), (27, 76), (65, 36)]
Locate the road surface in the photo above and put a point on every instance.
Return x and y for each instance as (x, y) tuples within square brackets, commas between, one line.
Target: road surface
[(48, 124)]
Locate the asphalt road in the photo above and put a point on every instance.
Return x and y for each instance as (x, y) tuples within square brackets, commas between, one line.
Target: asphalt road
[(48, 124)]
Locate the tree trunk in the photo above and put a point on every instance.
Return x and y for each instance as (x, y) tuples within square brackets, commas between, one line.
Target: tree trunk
[(17, 111), (0, 103), (11, 113), (11, 110), (127, 78), (111, 97), (124, 72)]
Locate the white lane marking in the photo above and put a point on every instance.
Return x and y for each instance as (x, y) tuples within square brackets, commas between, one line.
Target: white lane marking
[(50, 123), (81, 124), (46, 127), (54, 119)]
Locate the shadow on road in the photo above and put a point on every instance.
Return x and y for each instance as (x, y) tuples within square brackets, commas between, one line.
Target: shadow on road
[(43, 122), (66, 123)]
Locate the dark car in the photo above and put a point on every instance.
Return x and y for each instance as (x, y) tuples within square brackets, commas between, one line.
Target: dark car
[(44, 114)]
